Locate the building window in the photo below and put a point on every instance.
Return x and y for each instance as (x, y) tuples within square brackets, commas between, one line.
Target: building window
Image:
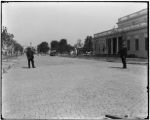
[(146, 43), (137, 44), (128, 44)]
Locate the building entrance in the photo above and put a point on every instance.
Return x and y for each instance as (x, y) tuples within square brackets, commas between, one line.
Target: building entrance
[(108, 42), (120, 40)]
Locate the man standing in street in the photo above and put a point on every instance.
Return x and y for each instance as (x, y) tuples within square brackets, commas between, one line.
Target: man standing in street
[(30, 57), (123, 55)]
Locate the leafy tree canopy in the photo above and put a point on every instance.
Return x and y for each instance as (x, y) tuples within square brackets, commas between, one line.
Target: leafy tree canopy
[(43, 47), (61, 46), (9, 42), (88, 45), (54, 45)]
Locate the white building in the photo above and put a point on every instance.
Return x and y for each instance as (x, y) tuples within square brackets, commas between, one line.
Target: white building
[(132, 29)]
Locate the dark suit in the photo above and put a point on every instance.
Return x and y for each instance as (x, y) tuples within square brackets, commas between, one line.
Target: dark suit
[(30, 57), (123, 55)]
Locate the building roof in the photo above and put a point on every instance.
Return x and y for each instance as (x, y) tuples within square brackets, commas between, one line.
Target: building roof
[(119, 30), (124, 29), (133, 15)]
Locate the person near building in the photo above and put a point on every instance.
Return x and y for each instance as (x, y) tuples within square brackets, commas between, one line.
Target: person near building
[(123, 55), (30, 57)]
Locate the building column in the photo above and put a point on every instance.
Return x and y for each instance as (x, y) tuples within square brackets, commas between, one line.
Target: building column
[(111, 45)]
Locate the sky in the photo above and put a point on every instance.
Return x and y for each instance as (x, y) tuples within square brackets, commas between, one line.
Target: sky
[(35, 22)]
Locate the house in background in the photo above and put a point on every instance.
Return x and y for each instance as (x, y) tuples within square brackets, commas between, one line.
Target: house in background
[(132, 29)]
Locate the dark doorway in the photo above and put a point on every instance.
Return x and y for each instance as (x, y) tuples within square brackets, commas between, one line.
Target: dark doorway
[(120, 42), (114, 45), (109, 45)]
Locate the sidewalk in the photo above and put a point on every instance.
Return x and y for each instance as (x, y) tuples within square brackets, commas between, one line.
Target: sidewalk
[(140, 61)]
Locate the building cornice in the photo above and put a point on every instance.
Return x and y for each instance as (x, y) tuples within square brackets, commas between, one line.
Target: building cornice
[(120, 30), (132, 16)]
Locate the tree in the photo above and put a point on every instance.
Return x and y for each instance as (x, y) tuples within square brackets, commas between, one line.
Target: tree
[(69, 48), (54, 45), (7, 38), (88, 45), (79, 44), (9, 45), (18, 47), (43, 47), (4, 36), (63, 46), (79, 47)]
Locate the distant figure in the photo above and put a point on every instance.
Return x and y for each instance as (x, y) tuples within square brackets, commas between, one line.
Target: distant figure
[(30, 57), (123, 55)]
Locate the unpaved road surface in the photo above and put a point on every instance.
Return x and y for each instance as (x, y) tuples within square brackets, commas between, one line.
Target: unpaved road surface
[(61, 87)]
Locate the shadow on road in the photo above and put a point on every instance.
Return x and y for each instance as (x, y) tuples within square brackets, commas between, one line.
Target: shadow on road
[(117, 67), (25, 67)]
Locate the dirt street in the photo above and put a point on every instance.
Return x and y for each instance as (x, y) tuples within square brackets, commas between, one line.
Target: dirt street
[(61, 87)]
